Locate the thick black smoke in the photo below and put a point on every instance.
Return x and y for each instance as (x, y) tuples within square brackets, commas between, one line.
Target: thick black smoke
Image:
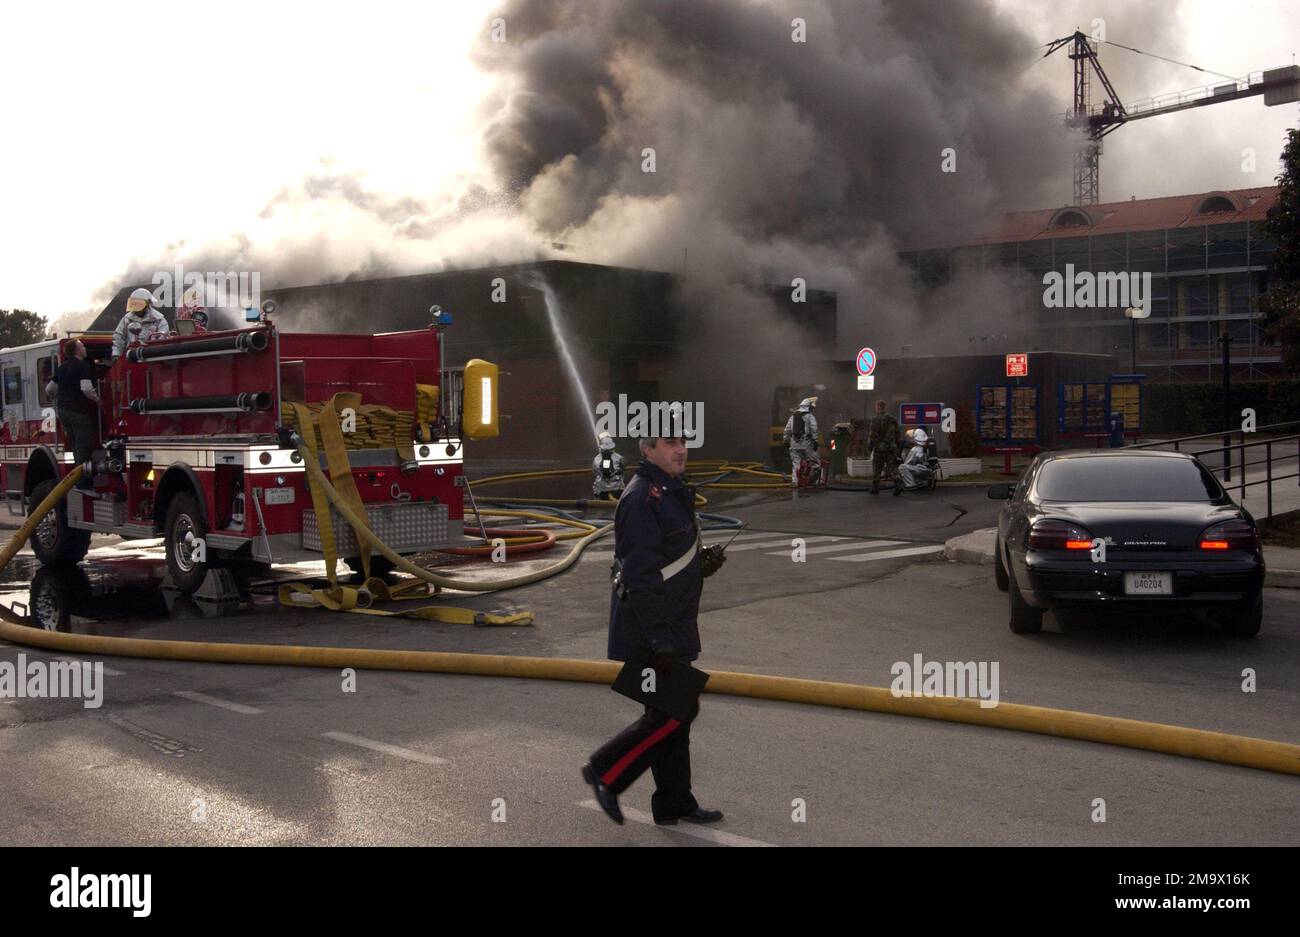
[(777, 159)]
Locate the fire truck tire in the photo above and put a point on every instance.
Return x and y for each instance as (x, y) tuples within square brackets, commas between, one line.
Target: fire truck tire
[(53, 541), (380, 566), (184, 517)]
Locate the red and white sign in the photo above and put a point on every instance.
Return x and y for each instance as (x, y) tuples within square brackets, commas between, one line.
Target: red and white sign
[(866, 362), (1018, 365)]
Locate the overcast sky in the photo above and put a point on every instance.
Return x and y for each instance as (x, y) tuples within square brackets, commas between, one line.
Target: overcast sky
[(135, 131)]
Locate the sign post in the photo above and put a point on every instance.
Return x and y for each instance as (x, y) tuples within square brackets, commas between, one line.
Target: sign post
[(866, 363)]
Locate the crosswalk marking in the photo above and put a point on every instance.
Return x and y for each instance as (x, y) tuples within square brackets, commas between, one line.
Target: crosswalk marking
[(218, 702), (699, 832), (395, 750), (887, 554), (841, 547), (783, 542), (710, 538)]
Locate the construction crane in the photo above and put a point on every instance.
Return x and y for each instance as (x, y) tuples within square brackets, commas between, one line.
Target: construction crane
[(1278, 85)]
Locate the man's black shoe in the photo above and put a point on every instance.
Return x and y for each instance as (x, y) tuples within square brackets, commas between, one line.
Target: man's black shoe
[(698, 815), (607, 799)]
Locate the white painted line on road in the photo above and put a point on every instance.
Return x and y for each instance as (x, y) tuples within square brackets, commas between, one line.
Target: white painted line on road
[(220, 703), (395, 750), (717, 537), (781, 543), (722, 536), (887, 554), (108, 671), (690, 829), (841, 547)]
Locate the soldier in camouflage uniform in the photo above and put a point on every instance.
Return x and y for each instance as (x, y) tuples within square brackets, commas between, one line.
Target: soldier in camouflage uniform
[(883, 439)]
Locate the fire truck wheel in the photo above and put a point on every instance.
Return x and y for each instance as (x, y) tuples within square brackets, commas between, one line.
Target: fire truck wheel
[(53, 541), (184, 520), (380, 566)]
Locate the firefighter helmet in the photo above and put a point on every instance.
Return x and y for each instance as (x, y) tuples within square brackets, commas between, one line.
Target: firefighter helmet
[(139, 300)]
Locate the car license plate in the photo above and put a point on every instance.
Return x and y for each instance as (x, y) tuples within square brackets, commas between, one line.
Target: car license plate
[(279, 496), (1148, 583)]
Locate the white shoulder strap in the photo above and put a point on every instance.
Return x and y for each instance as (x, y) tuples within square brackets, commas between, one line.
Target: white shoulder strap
[(677, 565)]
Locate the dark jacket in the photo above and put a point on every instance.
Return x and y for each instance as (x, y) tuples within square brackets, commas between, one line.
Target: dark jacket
[(653, 526)]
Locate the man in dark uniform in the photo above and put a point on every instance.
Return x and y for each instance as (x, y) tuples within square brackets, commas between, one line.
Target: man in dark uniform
[(653, 615), (74, 390), (883, 439)]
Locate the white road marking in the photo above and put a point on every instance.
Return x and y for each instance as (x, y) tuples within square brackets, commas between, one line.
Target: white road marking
[(220, 703), (785, 542), (395, 750), (108, 671), (690, 829), (887, 554), (710, 539), (841, 547)]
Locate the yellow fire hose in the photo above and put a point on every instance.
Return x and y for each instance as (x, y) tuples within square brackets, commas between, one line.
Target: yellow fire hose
[(340, 491), (1264, 754)]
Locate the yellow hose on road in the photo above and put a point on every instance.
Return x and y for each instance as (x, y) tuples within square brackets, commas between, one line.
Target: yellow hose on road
[(1264, 754)]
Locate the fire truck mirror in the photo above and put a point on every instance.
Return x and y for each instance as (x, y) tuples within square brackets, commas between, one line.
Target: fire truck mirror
[(479, 416)]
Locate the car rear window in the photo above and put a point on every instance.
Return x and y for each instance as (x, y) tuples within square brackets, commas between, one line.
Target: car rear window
[(1126, 478)]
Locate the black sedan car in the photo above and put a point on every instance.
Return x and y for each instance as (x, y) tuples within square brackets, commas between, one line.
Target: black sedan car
[(1138, 529)]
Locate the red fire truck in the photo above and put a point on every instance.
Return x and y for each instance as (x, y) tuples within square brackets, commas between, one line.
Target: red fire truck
[(193, 443)]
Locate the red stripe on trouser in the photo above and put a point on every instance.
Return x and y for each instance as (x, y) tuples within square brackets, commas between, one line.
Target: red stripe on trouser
[(658, 735)]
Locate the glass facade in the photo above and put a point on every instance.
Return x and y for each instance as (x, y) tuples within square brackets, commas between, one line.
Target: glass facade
[(1204, 280)]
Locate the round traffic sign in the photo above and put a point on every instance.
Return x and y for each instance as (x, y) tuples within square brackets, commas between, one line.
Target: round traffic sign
[(866, 361)]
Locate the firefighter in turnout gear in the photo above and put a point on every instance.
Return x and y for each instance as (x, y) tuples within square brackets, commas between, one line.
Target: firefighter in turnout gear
[(801, 436), (141, 321), (659, 575), (606, 470), (883, 439)]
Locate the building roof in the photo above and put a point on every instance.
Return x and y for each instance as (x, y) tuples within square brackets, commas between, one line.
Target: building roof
[(1145, 214)]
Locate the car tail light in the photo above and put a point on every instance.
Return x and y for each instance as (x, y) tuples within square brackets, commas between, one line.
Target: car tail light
[(1058, 535), (1235, 534)]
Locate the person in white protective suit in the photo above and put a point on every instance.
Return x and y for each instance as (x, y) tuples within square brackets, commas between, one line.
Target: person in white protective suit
[(801, 436), (607, 470), (141, 321), (913, 470)]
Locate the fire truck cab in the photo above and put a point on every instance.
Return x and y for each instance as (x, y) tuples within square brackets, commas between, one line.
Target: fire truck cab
[(193, 443)]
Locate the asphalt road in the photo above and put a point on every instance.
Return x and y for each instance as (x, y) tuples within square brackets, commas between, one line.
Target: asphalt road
[(190, 753)]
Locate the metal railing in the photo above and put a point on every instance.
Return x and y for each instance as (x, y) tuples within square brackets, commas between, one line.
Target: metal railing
[(1277, 449)]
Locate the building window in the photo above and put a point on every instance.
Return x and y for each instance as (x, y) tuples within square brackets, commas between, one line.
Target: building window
[(1153, 336), (1216, 203), (1192, 335)]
